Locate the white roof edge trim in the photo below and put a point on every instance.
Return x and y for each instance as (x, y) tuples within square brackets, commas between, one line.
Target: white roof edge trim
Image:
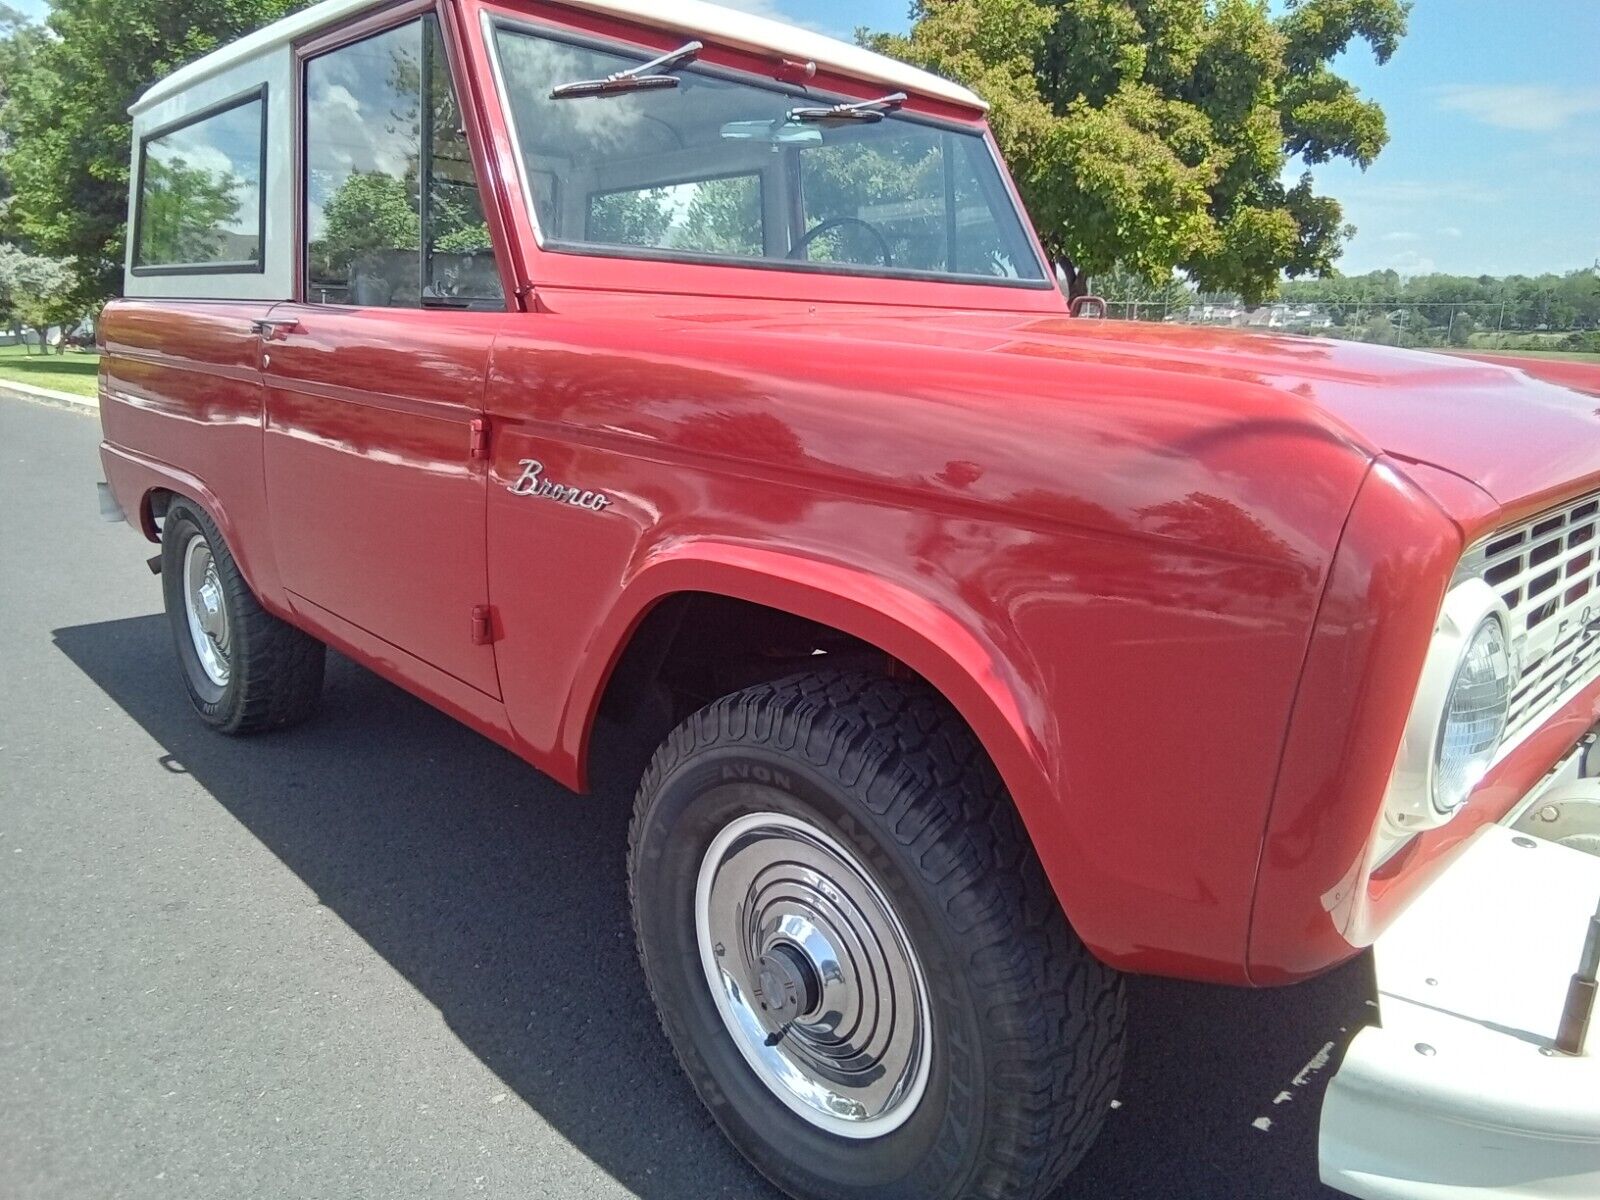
[(729, 27), (748, 31)]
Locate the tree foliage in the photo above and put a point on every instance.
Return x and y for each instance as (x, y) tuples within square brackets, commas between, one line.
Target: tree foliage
[(37, 292), (1157, 133), (20, 40), (1522, 303), (66, 118)]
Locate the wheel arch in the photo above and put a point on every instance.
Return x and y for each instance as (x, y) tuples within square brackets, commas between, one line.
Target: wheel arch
[(1004, 709)]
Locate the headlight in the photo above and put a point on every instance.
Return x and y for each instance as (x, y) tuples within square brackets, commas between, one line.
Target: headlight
[(1474, 716), (1459, 715)]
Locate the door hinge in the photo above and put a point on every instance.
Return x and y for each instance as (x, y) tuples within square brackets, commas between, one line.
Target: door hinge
[(483, 625), (478, 440)]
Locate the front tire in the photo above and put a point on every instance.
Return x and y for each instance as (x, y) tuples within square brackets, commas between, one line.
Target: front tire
[(245, 670), (856, 955)]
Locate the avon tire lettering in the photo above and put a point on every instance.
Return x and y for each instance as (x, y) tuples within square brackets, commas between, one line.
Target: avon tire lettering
[(532, 482), (753, 772)]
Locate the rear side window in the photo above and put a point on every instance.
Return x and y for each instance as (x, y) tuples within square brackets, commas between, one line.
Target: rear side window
[(201, 206), (394, 214)]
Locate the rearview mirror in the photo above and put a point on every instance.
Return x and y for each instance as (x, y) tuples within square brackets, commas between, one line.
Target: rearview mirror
[(775, 133)]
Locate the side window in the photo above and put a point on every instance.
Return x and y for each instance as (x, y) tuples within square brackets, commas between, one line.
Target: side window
[(394, 216), (200, 202)]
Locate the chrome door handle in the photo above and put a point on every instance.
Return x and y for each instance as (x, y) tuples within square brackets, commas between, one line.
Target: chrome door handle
[(274, 328)]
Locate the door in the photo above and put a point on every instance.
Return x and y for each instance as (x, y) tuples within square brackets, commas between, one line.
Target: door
[(375, 380)]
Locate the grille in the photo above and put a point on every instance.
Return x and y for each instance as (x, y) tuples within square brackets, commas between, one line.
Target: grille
[(1547, 571)]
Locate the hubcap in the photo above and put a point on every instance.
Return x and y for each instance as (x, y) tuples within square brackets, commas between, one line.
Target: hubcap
[(206, 610), (813, 975)]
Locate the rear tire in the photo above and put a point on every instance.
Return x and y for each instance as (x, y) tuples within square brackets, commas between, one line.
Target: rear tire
[(245, 670), (818, 803)]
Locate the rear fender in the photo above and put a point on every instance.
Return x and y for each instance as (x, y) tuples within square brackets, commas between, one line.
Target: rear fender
[(135, 480)]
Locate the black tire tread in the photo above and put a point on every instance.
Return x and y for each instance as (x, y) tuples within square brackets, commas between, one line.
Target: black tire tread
[(1054, 1018), (277, 668)]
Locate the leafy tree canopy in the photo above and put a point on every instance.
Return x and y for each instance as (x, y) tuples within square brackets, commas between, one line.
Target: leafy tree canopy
[(66, 118), (1157, 133), (20, 40)]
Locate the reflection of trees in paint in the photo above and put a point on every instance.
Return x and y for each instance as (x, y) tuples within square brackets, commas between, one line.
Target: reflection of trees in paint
[(188, 214)]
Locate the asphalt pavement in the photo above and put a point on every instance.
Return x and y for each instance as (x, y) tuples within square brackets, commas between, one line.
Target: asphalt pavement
[(378, 956)]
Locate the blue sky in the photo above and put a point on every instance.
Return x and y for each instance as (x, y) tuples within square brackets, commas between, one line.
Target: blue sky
[(1493, 164), (1494, 112)]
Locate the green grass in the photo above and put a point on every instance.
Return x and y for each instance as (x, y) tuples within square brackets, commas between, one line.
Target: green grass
[(1569, 355), (69, 372)]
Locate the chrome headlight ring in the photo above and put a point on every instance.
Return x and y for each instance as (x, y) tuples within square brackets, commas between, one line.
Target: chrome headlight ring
[(1459, 716)]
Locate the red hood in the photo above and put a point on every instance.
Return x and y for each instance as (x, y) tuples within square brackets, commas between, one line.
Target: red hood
[(1517, 437)]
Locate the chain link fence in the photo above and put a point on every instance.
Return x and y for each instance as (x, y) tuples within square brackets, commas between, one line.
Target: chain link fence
[(1491, 325)]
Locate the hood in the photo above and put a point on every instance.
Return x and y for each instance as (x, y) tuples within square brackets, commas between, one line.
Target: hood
[(1493, 422)]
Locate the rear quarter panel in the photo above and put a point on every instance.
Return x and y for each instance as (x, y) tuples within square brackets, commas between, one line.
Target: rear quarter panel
[(181, 409)]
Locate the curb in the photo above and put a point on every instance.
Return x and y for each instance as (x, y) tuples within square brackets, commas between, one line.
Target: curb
[(39, 395)]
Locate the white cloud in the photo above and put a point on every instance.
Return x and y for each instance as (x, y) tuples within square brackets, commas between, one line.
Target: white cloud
[(773, 10), (1410, 262), (1408, 194), (1450, 231), (762, 8), (1528, 107), (1400, 235)]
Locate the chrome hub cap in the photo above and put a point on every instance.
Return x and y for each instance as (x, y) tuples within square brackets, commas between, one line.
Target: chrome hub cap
[(814, 975), (206, 611)]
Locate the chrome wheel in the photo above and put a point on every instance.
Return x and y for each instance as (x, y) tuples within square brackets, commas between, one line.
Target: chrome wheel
[(206, 610), (813, 975)]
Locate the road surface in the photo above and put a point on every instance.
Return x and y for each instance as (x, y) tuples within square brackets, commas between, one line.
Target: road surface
[(380, 957)]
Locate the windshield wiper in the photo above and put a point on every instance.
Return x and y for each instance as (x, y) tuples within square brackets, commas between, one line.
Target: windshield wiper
[(867, 110), (644, 77)]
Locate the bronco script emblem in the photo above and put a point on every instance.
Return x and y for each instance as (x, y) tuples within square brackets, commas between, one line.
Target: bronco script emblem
[(532, 482)]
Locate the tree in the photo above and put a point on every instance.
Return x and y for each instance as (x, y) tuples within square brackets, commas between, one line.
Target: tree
[(1156, 133), (39, 292), (20, 40), (66, 118), (1134, 296)]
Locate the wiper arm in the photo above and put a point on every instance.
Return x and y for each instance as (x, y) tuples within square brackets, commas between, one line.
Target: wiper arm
[(867, 110), (644, 77)]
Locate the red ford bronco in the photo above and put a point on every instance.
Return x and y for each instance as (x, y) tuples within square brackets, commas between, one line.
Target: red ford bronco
[(641, 356)]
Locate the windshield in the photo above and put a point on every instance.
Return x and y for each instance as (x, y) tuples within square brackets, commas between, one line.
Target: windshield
[(710, 168)]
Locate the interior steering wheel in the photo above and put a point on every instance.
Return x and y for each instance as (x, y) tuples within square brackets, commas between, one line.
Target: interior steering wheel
[(821, 227)]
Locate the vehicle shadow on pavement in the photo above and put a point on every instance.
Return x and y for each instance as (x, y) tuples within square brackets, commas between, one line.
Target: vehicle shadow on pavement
[(502, 898)]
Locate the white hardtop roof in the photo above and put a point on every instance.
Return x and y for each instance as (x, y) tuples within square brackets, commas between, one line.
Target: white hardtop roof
[(730, 27)]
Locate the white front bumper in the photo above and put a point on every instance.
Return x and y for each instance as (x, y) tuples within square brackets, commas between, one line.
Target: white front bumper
[(1455, 1095)]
